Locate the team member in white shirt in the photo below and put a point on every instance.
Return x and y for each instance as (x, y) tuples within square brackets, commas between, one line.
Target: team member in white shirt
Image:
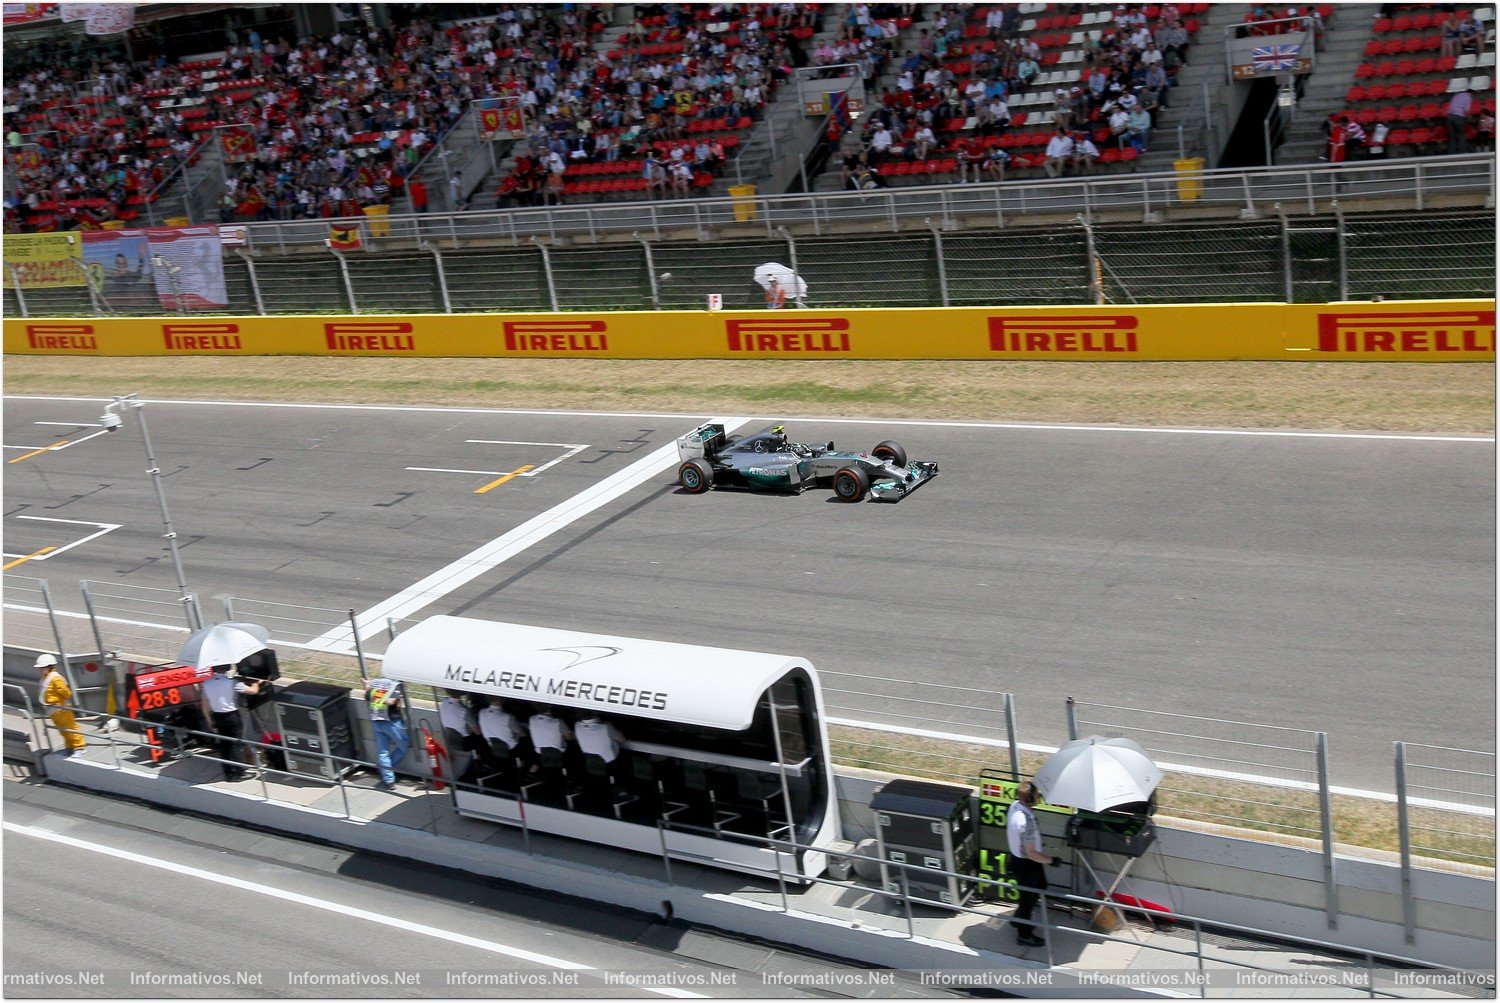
[(221, 705)]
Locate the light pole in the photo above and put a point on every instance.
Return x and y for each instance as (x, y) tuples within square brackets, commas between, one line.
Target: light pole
[(111, 422)]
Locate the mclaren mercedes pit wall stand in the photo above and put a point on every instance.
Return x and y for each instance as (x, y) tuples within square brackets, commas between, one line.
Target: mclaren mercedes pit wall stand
[(767, 461)]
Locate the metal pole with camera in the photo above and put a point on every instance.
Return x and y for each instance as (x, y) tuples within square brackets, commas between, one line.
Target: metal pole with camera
[(111, 421)]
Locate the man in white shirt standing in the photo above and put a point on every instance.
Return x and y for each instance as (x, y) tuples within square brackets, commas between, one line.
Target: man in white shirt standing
[(221, 705), (1024, 841)]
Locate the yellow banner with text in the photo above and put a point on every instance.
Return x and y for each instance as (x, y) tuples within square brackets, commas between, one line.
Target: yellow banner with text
[(1426, 331)]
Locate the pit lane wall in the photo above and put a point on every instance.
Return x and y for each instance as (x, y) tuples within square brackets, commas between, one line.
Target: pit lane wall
[(1410, 331)]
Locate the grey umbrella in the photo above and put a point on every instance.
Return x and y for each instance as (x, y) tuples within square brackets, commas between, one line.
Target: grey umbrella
[(1096, 774), (223, 644)]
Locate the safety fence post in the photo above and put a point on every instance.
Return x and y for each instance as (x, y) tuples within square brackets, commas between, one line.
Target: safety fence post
[(1289, 293), (1338, 215), (15, 276), (1325, 811), (791, 249), (442, 277), (62, 654), (88, 283), (1403, 830), (229, 609), (1072, 719), (260, 304), (348, 282), (359, 650), (942, 267), (88, 605), (650, 269), (1010, 735), (547, 270)]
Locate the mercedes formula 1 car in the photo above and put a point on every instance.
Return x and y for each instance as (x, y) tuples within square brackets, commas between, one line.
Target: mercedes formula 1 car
[(767, 461)]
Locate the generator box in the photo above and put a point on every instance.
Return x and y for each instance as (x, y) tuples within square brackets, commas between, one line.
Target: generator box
[(316, 729), (922, 829)]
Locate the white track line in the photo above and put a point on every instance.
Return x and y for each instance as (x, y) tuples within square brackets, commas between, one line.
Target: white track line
[(826, 419), (449, 579), (338, 908)]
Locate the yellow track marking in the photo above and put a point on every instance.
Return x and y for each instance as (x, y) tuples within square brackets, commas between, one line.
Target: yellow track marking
[(23, 560), (27, 456), (500, 480)]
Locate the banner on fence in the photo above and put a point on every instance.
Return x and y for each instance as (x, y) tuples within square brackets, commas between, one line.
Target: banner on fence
[(26, 13), (119, 268), (1430, 331), (44, 260), (500, 118), (190, 272)]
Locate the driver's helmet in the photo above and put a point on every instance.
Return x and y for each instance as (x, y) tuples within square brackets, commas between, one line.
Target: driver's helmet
[(777, 441)]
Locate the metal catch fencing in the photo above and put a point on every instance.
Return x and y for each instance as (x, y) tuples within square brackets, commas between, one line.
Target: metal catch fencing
[(1281, 258), (136, 619), (1446, 798), (905, 726)]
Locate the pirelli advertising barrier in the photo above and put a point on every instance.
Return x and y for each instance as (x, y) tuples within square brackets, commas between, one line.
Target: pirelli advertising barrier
[(1431, 331)]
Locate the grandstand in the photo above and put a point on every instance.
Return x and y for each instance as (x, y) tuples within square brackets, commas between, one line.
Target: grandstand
[(226, 113)]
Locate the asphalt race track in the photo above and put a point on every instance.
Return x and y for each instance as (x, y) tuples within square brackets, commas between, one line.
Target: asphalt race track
[(1329, 582)]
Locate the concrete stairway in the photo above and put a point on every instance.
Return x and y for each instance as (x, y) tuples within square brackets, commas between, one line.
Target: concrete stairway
[(769, 157), (1323, 93), (1188, 109)]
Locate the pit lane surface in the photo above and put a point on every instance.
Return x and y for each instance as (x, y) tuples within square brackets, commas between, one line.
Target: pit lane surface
[(1334, 583), (107, 899)]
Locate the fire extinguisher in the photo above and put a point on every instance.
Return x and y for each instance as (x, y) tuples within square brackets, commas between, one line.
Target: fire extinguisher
[(435, 756)]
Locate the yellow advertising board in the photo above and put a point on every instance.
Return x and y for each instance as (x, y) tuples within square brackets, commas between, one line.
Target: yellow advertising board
[(44, 260), (1428, 331)]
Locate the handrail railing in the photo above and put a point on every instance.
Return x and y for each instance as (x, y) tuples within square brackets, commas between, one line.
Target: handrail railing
[(178, 172), (1228, 190), (779, 846)]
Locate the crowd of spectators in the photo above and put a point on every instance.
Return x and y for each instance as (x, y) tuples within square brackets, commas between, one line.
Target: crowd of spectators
[(339, 122), (1129, 68), (664, 104)]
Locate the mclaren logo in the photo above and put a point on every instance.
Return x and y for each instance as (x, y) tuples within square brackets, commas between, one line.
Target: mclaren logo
[(584, 653)]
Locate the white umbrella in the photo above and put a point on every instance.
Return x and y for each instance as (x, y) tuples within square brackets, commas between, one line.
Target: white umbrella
[(795, 286), (223, 644), (1096, 773)]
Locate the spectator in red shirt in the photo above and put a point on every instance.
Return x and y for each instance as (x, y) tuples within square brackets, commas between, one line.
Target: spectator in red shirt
[(417, 192)]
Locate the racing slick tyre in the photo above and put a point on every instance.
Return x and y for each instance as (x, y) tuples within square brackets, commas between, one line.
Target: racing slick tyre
[(695, 476), (891, 452), (851, 484)]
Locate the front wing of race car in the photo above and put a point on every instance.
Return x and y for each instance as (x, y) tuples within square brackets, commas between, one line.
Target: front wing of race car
[(893, 489)]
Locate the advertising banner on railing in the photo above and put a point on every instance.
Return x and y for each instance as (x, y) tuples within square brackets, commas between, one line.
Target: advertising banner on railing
[(43, 260), (500, 118), (1425, 331), (27, 13), (119, 268), (190, 274)]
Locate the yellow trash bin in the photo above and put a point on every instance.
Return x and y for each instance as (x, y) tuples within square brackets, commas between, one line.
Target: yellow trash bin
[(744, 202), (379, 216), (177, 221), (1189, 178)]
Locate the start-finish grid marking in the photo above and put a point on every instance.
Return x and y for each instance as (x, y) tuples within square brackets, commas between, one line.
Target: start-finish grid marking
[(502, 476), (47, 552), (472, 565)]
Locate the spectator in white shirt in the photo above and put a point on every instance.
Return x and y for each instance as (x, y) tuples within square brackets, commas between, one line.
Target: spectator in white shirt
[(923, 142), (1085, 154), (1059, 152)]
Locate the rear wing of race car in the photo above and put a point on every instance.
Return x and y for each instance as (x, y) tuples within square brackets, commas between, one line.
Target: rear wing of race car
[(705, 440)]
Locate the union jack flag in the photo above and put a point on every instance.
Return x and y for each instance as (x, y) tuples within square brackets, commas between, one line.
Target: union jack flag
[(1275, 57)]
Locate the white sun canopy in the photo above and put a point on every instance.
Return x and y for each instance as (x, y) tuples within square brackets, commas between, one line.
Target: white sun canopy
[(659, 680)]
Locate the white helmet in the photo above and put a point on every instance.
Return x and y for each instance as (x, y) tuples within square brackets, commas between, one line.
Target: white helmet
[(45, 661)]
